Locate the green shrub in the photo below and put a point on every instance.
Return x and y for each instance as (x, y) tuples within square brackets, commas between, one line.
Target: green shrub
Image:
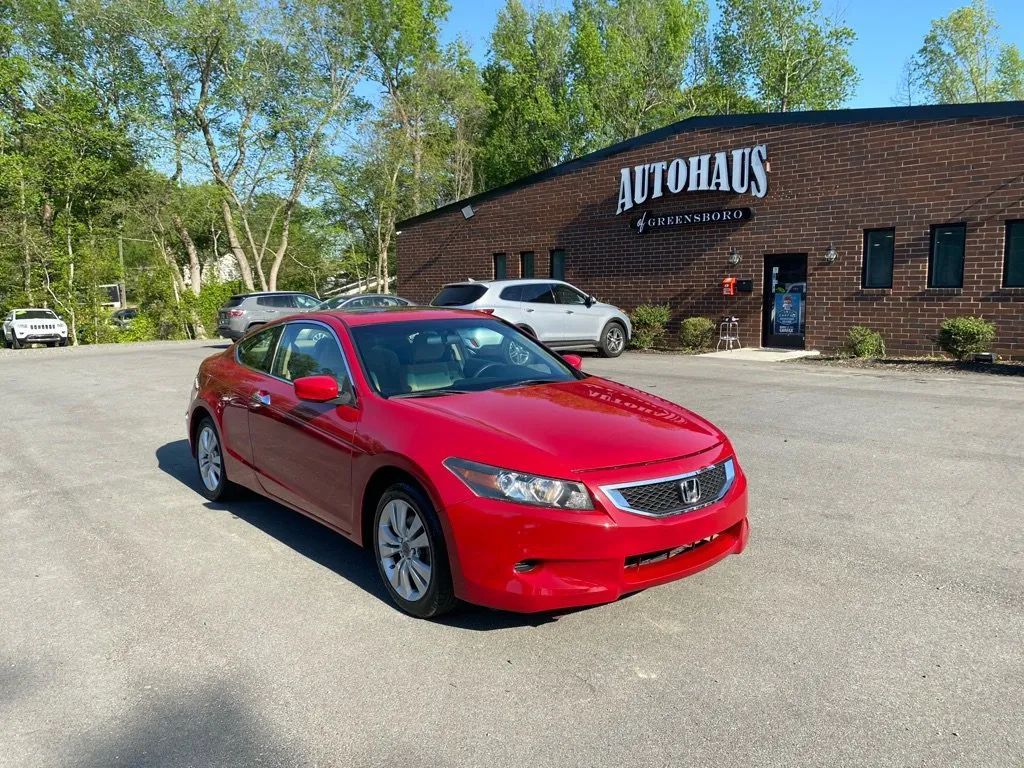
[(696, 333), (963, 336), (141, 328), (863, 342), (649, 321)]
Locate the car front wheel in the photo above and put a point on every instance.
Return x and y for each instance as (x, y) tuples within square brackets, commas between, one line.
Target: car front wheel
[(214, 483), (410, 552), (613, 340)]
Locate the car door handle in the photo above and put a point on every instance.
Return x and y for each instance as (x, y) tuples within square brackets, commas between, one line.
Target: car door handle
[(529, 310), (569, 312), (260, 398)]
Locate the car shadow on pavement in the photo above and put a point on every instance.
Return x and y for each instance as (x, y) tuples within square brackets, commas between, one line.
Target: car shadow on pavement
[(328, 548)]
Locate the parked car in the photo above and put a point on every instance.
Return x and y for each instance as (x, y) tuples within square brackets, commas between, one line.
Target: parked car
[(25, 327), (245, 311), (364, 300), (554, 312), (122, 318), (525, 487)]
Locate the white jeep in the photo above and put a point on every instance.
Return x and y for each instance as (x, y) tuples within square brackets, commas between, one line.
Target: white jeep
[(24, 327)]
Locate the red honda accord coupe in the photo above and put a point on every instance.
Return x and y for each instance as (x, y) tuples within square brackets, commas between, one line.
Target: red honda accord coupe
[(475, 463)]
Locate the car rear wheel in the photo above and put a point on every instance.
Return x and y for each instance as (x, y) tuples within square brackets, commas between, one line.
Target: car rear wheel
[(410, 552), (613, 340), (214, 483)]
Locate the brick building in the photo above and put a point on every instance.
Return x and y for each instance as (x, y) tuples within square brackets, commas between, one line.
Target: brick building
[(891, 218)]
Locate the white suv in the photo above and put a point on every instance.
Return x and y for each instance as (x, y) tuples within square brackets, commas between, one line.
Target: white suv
[(554, 312), (24, 327)]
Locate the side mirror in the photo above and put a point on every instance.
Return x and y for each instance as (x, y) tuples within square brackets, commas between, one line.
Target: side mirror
[(316, 389), (590, 301), (574, 360)]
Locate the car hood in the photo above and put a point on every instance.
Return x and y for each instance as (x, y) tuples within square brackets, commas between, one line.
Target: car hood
[(584, 425)]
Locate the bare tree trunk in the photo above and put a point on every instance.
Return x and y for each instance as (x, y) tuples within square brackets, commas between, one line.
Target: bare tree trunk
[(282, 248), (195, 274), (26, 247), (71, 276), (236, 245)]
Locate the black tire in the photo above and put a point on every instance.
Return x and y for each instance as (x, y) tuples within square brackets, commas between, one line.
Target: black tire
[(527, 330), (15, 344), (3, 340), (62, 343), (613, 340), (224, 487), (439, 596), (253, 325)]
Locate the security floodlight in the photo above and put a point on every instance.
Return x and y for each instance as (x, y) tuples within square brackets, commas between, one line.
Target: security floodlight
[(468, 212)]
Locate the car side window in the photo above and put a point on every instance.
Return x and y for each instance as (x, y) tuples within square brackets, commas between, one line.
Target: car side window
[(512, 293), (567, 295), (310, 349), (538, 293), (305, 302), (257, 351)]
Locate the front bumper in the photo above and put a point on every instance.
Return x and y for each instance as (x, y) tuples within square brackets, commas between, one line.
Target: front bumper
[(40, 338), (586, 558)]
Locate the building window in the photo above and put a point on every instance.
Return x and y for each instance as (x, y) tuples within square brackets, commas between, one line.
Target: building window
[(946, 264), (526, 264), (1013, 265), (878, 250), (558, 264), (500, 267)]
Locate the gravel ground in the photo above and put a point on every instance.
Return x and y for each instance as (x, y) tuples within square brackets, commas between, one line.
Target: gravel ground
[(875, 619)]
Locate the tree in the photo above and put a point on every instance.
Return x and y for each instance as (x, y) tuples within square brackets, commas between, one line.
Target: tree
[(962, 60), (784, 54), (630, 60), (255, 95), (534, 122)]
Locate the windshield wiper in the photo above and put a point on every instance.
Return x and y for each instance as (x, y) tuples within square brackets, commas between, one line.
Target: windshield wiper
[(431, 393), (528, 383)]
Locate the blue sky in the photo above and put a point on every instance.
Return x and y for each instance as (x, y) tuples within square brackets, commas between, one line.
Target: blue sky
[(888, 33)]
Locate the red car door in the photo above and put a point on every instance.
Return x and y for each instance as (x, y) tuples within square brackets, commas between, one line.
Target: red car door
[(249, 373), (303, 451)]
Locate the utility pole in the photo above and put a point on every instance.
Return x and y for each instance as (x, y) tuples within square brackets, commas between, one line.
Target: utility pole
[(120, 257)]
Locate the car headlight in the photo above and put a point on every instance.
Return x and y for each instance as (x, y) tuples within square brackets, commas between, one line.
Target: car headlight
[(521, 487)]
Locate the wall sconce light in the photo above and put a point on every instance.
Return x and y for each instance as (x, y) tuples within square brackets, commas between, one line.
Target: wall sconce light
[(734, 257), (830, 254)]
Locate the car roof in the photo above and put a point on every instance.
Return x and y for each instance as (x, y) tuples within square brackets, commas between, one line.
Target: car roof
[(34, 309), (503, 283), (383, 315), (269, 293)]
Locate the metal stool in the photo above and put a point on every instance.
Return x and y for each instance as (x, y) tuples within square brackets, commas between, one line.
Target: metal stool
[(729, 333)]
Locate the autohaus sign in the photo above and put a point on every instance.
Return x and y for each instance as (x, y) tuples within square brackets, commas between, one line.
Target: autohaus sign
[(739, 171), (649, 223)]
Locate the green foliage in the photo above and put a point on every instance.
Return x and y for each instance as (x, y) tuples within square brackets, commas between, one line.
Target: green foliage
[(863, 342), (212, 298), (696, 333), (785, 54), (962, 60), (142, 328), (962, 337), (649, 321)]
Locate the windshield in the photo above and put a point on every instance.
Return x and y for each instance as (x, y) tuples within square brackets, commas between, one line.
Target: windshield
[(427, 357), (34, 314)]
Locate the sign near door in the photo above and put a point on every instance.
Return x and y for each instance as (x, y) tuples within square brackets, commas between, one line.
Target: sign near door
[(787, 314)]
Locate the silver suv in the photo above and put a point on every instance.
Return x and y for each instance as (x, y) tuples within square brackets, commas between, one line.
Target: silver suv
[(554, 312), (247, 310)]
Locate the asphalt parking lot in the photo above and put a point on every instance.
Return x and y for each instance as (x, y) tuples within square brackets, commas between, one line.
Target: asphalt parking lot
[(876, 618)]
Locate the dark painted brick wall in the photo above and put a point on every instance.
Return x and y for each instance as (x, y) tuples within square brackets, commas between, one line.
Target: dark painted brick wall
[(828, 183)]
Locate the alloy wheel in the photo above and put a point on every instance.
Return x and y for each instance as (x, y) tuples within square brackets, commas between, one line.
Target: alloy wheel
[(404, 550), (209, 458), (615, 339)]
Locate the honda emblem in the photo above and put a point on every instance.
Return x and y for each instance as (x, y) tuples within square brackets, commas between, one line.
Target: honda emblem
[(689, 489)]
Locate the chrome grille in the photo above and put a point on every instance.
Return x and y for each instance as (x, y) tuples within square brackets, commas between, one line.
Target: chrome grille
[(673, 495)]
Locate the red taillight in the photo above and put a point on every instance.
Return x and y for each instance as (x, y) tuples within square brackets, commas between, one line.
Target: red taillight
[(236, 312), (486, 311)]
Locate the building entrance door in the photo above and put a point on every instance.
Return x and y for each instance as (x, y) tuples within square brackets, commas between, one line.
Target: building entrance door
[(785, 301)]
